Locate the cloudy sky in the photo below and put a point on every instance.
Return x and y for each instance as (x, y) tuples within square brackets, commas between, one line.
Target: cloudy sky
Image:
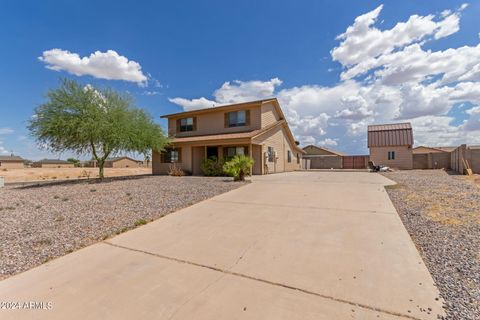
[(335, 66)]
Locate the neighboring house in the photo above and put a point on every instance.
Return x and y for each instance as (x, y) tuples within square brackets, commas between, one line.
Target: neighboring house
[(391, 145), (312, 150), (11, 162), (122, 162), (257, 129), (323, 158), (52, 163)]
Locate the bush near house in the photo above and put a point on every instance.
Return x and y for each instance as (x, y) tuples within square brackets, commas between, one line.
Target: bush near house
[(212, 167), (238, 167)]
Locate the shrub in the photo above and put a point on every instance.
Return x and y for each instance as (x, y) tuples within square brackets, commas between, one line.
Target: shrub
[(140, 222), (212, 167), (175, 171), (238, 167)]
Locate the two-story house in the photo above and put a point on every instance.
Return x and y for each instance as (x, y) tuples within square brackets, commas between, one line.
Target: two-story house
[(257, 129)]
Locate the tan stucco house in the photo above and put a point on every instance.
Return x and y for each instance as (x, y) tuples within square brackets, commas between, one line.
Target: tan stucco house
[(11, 162), (52, 163), (256, 128), (122, 162), (391, 145)]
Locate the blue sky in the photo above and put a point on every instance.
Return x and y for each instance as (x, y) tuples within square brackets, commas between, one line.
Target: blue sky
[(230, 51)]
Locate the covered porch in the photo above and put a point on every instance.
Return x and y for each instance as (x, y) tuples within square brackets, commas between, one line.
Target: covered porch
[(223, 151)]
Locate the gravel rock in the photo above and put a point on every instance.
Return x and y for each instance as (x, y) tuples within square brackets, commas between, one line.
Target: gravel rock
[(38, 223), (442, 214)]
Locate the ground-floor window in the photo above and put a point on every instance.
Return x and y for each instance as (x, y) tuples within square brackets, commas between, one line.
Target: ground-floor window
[(298, 158), (391, 155), (289, 156), (230, 152), (171, 155), (271, 154)]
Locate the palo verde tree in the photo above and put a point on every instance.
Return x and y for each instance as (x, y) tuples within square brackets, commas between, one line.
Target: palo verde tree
[(100, 122)]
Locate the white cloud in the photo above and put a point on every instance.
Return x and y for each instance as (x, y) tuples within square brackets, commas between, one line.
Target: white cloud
[(193, 104), (401, 81), (232, 92), (104, 65), (473, 122), (6, 130), (2, 149), (328, 142), (362, 41)]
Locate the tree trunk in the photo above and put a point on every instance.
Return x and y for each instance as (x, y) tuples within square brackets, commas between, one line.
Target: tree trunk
[(241, 176), (100, 169)]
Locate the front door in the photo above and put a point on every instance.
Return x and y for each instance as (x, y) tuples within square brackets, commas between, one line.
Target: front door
[(212, 152)]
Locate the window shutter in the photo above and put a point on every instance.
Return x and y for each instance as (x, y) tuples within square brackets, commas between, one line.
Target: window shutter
[(225, 118), (194, 123), (247, 117), (178, 126)]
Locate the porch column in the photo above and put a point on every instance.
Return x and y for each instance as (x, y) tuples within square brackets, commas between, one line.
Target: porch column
[(250, 154)]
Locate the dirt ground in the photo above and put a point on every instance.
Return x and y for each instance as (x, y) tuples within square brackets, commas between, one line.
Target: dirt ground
[(44, 174)]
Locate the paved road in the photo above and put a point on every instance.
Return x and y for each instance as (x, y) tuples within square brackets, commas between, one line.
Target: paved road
[(302, 245)]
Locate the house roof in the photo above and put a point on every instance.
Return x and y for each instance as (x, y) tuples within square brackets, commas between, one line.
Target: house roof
[(221, 108), (424, 149), (446, 149), (11, 158), (384, 135), (326, 149), (121, 158), (52, 161)]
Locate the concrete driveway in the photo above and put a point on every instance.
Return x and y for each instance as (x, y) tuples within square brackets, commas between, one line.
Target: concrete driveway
[(302, 245)]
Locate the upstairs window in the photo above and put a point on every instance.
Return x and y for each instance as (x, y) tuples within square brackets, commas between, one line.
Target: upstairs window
[(186, 124), (289, 156), (239, 118), (391, 155)]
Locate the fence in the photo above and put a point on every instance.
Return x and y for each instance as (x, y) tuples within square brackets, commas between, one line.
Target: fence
[(471, 154), (432, 160)]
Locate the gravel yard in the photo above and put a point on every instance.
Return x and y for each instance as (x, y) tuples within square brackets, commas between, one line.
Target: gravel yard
[(43, 222), (442, 214)]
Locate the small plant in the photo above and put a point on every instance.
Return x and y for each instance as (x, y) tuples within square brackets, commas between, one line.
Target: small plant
[(4, 169), (175, 171), (93, 190), (38, 206), (65, 199), (125, 229), (212, 167), (140, 222), (56, 197), (85, 174), (238, 167), (54, 177), (128, 194), (67, 177)]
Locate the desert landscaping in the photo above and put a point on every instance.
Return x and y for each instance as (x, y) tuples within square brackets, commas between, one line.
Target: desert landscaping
[(42, 222), (441, 211), (46, 174)]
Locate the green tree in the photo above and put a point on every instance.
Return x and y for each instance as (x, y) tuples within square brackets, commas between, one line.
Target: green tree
[(100, 122), (75, 162), (238, 167)]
